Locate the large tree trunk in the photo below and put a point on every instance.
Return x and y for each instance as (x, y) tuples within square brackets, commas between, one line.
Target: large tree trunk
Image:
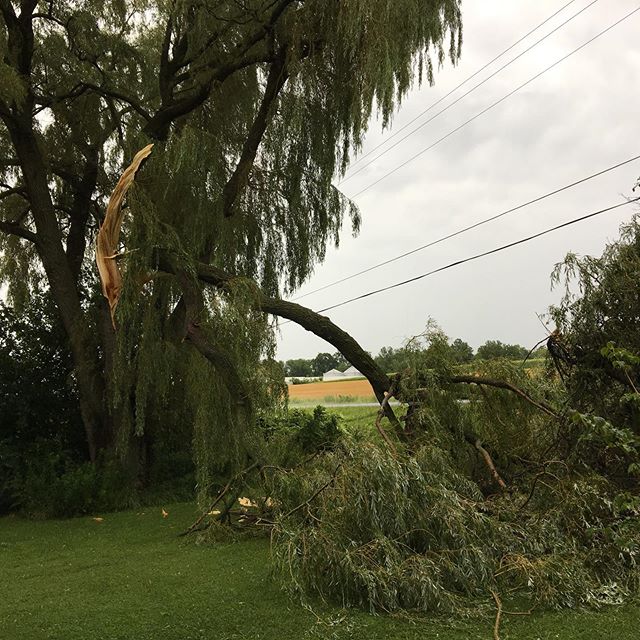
[(63, 286)]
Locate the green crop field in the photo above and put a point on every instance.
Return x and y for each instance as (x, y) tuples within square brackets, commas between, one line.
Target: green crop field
[(130, 577)]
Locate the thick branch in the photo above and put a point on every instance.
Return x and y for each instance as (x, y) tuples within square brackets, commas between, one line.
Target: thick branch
[(241, 56), (16, 230), (238, 181), (501, 384), (79, 214), (159, 124), (311, 321), (315, 323)]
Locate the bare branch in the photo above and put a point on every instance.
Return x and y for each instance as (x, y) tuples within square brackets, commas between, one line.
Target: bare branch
[(477, 443), (501, 384), (238, 181), (14, 229), (496, 626)]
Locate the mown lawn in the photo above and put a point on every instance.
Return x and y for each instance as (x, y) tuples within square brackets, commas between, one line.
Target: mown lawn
[(129, 576)]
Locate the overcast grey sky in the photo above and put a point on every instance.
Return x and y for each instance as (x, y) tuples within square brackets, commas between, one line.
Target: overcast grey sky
[(580, 117)]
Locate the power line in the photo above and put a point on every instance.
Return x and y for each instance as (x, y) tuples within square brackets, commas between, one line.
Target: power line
[(464, 95), (472, 226), (477, 256), (496, 103), (481, 255), (473, 75)]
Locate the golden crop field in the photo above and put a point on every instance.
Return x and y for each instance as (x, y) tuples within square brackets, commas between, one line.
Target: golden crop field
[(320, 390)]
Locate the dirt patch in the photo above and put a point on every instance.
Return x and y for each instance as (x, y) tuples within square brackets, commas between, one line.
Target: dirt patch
[(320, 390)]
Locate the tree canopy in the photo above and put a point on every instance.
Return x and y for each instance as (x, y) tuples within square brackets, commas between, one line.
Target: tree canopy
[(253, 108)]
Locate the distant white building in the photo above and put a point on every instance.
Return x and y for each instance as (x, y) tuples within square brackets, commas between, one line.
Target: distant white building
[(334, 374)]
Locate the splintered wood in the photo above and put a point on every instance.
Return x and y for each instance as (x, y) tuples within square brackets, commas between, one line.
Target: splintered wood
[(109, 234)]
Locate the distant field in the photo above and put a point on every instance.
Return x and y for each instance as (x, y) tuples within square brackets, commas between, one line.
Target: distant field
[(317, 391), (359, 390)]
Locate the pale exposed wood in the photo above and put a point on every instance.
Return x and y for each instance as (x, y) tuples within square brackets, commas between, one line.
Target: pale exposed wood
[(109, 234), (489, 462), (496, 625)]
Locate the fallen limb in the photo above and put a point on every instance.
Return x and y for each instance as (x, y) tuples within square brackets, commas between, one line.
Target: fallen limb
[(477, 443), (502, 384), (221, 494)]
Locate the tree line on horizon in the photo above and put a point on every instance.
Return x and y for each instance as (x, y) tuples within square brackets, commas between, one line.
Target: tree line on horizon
[(393, 359)]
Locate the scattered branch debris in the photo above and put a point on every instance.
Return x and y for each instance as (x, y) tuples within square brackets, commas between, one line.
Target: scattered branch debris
[(221, 494)]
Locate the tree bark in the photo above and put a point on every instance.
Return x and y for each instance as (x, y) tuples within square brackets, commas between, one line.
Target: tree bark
[(18, 118), (63, 285), (238, 181), (318, 324)]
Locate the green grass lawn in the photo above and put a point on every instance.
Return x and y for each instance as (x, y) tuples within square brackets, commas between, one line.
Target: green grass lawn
[(131, 577)]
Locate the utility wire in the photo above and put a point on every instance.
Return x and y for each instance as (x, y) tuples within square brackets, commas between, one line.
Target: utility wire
[(473, 75), (473, 226), (477, 256), (496, 103), (464, 95)]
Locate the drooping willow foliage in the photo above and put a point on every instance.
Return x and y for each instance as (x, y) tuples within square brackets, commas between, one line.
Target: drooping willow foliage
[(274, 95), (418, 534), (601, 307), (429, 529), (283, 220)]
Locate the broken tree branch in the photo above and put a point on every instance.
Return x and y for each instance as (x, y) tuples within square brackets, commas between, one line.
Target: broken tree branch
[(109, 234), (221, 494), (501, 384), (310, 320), (477, 443)]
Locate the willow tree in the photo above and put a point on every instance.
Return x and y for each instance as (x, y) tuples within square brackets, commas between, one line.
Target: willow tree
[(253, 107)]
